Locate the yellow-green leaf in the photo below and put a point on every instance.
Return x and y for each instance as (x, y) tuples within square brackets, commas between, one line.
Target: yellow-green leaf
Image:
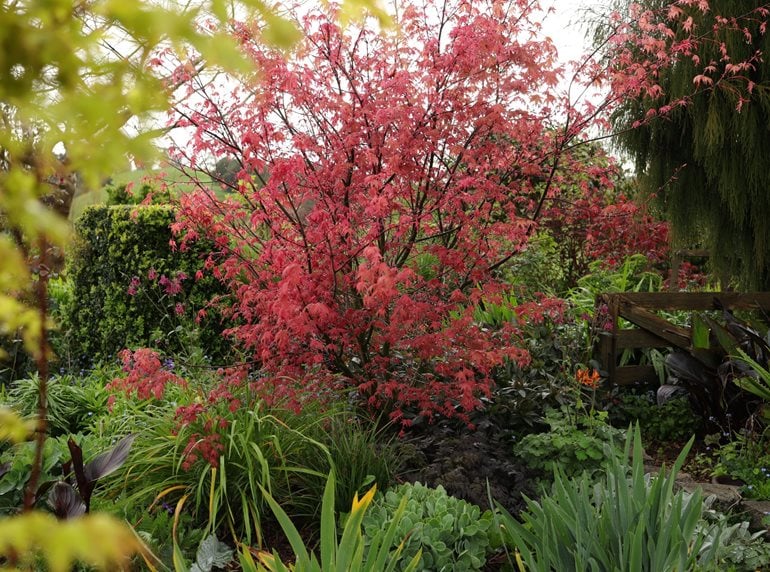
[(13, 427), (355, 10), (97, 540)]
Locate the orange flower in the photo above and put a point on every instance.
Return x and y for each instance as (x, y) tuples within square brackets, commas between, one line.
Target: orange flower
[(590, 380)]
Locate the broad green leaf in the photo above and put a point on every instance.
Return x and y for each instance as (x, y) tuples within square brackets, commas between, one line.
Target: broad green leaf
[(211, 553)]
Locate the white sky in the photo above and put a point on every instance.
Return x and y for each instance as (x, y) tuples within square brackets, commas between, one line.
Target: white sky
[(565, 28)]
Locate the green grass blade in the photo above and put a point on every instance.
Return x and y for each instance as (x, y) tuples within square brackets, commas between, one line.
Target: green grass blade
[(291, 532), (328, 526), (351, 534)]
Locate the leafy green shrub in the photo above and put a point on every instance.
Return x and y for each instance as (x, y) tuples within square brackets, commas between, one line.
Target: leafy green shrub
[(73, 402), (747, 459), (131, 288), (634, 275), (122, 195), (674, 420), (619, 523), (575, 443), (452, 534), (161, 530), (537, 267), (523, 393)]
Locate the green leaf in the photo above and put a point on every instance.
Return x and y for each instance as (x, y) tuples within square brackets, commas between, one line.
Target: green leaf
[(13, 427), (328, 526), (291, 532), (280, 32), (211, 553), (700, 333), (180, 564), (355, 10)]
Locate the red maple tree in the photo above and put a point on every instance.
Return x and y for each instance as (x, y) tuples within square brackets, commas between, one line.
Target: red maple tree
[(385, 178)]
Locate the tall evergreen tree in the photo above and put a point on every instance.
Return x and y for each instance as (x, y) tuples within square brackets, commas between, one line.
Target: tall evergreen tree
[(702, 140)]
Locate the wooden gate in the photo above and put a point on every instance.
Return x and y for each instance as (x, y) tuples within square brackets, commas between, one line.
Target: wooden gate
[(649, 330)]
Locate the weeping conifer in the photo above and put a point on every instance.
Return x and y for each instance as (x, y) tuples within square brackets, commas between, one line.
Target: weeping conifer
[(709, 161)]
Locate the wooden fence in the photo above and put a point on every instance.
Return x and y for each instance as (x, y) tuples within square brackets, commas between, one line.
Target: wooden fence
[(652, 331)]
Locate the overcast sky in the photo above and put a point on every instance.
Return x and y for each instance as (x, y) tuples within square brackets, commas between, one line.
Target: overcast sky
[(564, 26)]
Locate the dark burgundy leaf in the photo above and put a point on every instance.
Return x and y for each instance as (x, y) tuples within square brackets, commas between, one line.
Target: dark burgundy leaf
[(668, 392), (44, 488), (65, 501), (84, 485), (701, 381), (4, 468), (687, 368), (109, 461)]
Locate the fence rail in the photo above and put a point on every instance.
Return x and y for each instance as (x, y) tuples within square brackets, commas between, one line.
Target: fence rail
[(650, 330)]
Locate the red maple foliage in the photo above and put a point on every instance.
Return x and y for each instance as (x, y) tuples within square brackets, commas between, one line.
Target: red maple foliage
[(145, 375), (642, 45), (385, 177), (593, 219)]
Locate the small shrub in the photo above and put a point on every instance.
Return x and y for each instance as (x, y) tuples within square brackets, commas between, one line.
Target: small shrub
[(740, 550), (123, 195), (453, 534), (470, 465), (574, 444), (746, 458), (674, 420), (130, 287), (522, 393)]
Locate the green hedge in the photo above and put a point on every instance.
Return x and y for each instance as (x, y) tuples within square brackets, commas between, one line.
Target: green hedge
[(118, 245)]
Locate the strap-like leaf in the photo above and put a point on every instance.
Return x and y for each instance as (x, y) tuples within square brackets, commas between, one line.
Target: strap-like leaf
[(351, 534), (85, 486), (291, 532), (109, 461), (328, 526)]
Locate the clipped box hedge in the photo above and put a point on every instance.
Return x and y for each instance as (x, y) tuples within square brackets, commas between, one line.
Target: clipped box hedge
[(99, 316)]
